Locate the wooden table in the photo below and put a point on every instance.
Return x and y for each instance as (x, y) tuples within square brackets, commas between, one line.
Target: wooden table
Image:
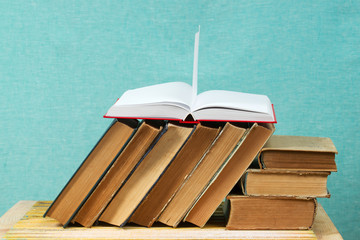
[(24, 220)]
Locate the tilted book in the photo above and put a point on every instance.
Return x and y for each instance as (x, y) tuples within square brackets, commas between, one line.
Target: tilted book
[(92, 170), (202, 175), (180, 101), (143, 140)]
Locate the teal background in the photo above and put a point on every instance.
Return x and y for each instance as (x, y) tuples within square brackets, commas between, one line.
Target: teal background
[(64, 63)]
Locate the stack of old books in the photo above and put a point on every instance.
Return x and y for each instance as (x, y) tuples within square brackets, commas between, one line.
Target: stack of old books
[(282, 193), (185, 156), (164, 171)]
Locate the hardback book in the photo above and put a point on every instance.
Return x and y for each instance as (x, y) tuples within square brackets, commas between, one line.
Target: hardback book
[(135, 189), (206, 170), (92, 170), (298, 153), (185, 161), (180, 101), (146, 136), (238, 162), (259, 182), (260, 213)]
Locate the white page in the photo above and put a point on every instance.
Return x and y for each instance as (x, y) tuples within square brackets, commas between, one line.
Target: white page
[(195, 66), (176, 93), (233, 100)]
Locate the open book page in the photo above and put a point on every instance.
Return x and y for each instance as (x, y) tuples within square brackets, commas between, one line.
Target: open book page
[(232, 100), (172, 93), (195, 67)]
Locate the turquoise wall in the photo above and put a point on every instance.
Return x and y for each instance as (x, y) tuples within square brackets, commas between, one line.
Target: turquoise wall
[(64, 63)]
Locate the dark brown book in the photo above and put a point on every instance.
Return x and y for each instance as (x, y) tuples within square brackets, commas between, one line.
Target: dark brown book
[(258, 182), (199, 142), (90, 172), (132, 193), (298, 153), (237, 164), (117, 174), (260, 213), (202, 175)]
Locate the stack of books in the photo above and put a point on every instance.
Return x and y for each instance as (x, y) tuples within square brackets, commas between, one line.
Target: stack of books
[(281, 193), (185, 156), (164, 171)]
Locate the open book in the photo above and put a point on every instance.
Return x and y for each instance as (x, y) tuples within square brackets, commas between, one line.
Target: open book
[(180, 101)]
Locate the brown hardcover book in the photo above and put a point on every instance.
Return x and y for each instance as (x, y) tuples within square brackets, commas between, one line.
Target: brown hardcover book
[(260, 213), (202, 175), (237, 164), (258, 182), (93, 168), (117, 174), (298, 153), (145, 175), (199, 142)]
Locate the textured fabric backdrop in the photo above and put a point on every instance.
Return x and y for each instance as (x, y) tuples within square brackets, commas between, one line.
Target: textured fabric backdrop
[(64, 63)]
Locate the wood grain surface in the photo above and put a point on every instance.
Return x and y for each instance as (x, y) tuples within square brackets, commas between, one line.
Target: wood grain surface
[(24, 220)]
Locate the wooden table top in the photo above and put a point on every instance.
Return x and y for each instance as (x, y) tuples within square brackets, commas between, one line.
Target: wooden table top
[(24, 220)]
